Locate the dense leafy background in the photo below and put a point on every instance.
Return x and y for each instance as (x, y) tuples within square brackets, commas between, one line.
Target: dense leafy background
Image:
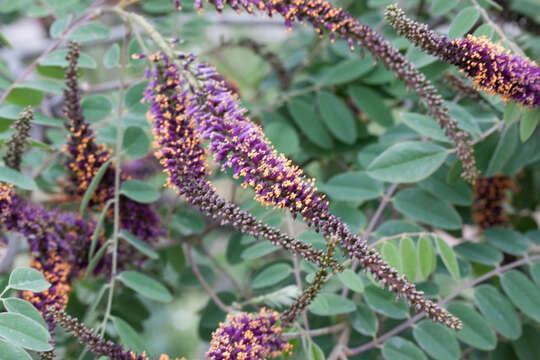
[(350, 124)]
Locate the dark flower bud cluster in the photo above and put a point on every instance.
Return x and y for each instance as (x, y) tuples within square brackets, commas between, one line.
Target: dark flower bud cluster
[(490, 194), (303, 301), (95, 342), (492, 68), (338, 22), (248, 337), (16, 144), (179, 150), (85, 157)]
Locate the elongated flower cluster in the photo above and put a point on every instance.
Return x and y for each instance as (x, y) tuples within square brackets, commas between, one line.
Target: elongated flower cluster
[(493, 68), (85, 157), (179, 150), (241, 145), (16, 144), (95, 342), (490, 194), (337, 22), (59, 243), (248, 337)]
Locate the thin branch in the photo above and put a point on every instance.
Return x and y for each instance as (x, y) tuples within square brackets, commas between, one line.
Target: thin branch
[(118, 155), (222, 269), (204, 284), (406, 324), (315, 332)]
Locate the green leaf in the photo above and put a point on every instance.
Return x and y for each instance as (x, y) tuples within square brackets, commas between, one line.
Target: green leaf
[(426, 256), (475, 331), (139, 191), (384, 302), (397, 348), (352, 186), (347, 70), (283, 137), (96, 108), (327, 304), (128, 336), (528, 123), (337, 116), (527, 347), (315, 352), (426, 208), (112, 56), (371, 103), (463, 22), (90, 32), (448, 257), (187, 222), (25, 96), (135, 142), (24, 278), (484, 30), (93, 186), (145, 286), (351, 279), (349, 214), (535, 272), (21, 331), (133, 97), (364, 320), (43, 85), (498, 311), (512, 112), (23, 307), (307, 119), (409, 261), (407, 162), (509, 241), (424, 125), (458, 193), (441, 7), (479, 253), (258, 250), (390, 254), (466, 121), (12, 352), (522, 292), (437, 340), (58, 58), (271, 275), (506, 147), (59, 26), (138, 244), (16, 178)]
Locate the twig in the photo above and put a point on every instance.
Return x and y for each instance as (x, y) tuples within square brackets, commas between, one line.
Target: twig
[(315, 332), (118, 154), (222, 270), (204, 284), (406, 324), (341, 345)]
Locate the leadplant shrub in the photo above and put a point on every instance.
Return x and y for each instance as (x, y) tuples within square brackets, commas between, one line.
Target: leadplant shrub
[(213, 180)]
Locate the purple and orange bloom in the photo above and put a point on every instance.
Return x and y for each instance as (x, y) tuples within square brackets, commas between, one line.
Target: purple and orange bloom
[(245, 336)]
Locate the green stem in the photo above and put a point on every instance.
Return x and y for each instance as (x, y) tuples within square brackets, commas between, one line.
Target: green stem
[(118, 153)]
